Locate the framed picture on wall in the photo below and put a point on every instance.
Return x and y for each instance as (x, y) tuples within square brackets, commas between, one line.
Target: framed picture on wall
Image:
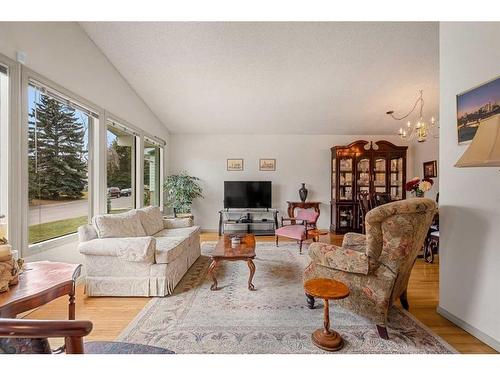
[(267, 165), (475, 106), (234, 164), (430, 169)]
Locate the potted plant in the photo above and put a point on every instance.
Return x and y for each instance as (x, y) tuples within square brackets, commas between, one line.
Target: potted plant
[(180, 191), (418, 186)]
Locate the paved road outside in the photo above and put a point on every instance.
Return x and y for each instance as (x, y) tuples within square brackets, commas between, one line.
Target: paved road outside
[(68, 210)]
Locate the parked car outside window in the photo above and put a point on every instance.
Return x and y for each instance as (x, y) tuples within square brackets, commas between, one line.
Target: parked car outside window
[(114, 192), (126, 192)]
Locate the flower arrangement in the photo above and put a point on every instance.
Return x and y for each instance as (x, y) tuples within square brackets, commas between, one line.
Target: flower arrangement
[(419, 186)]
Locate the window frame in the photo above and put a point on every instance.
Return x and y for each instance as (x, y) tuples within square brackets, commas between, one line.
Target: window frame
[(13, 209), (157, 144), (127, 128), (5, 110)]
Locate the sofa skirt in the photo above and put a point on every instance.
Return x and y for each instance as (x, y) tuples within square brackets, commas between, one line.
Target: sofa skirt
[(114, 276)]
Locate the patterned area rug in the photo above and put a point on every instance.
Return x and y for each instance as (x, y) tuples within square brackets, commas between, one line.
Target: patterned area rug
[(272, 319)]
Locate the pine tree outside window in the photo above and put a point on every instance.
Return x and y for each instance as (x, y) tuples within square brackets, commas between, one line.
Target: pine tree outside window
[(58, 161)]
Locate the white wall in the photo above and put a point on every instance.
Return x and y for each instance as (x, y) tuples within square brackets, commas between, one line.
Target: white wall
[(63, 53), (422, 152), (299, 158), (469, 197)]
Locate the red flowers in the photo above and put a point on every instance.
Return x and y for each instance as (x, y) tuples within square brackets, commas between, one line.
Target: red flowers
[(412, 184), (415, 184)]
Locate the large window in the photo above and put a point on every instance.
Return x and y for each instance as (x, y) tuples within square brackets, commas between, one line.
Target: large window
[(58, 163), (151, 173), (121, 144), (4, 137)]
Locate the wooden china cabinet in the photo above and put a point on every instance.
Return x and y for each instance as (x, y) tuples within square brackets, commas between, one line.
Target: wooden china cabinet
[(374, 167)]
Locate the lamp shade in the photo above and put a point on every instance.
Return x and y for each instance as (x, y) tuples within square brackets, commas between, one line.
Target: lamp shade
[(484, 151)]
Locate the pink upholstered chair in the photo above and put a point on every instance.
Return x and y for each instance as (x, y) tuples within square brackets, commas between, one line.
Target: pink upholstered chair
[(299, 226)]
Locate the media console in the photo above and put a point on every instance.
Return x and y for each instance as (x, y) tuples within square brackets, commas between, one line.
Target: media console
[(257, 221)]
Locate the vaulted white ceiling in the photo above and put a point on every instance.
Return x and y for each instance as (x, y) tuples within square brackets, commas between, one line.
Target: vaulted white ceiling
[(276, 78)]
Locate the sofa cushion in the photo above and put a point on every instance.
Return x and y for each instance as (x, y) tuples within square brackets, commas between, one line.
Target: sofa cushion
[(169, 248), (151, 219), (178, 222), (86, 233), (126, 224), (177, 232), (296, 231)]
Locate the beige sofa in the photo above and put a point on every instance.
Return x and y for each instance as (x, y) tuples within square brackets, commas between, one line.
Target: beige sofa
[(137, 253)]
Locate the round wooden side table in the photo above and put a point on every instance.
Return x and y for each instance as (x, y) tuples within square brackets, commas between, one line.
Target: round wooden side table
[(326, 289)]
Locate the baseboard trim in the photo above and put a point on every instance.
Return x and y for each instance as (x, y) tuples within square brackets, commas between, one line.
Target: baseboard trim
[(487, 339), (209, 230)]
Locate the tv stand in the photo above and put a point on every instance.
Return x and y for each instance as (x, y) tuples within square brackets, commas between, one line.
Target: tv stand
[(248, 220)]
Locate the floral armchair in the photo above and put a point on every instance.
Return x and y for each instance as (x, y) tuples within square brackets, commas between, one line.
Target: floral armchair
[(376, 267)]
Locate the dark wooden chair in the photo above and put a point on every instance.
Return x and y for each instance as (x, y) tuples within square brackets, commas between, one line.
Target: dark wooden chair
[(22, 336), (382, 198), (365, 205), (431, 244)]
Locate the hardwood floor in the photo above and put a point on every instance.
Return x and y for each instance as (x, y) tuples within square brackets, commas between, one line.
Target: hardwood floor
[(111, 315)]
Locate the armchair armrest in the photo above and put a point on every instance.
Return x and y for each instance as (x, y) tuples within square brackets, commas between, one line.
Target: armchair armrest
[(73, 331), (44, 328), (354, 241), (339, 258), (177, 223), (132, 249)]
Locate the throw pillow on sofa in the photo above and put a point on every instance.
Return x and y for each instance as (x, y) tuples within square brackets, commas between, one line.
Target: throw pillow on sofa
[(151, 219), (127, 224)]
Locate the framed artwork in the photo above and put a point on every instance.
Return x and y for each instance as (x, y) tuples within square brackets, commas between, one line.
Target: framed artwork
[(430, 169), (234, 164), (267, 165), (475, 106)]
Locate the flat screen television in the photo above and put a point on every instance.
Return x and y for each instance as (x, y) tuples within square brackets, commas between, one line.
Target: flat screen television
[(247, 194)]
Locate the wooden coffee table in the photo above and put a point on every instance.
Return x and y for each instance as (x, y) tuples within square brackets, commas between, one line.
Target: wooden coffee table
[(326, 289), (224, 250)]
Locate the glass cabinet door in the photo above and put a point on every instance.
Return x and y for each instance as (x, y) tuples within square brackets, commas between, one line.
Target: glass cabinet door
[(346, 217), (396, 178), (379, 174), (345, 178), (363, 175)]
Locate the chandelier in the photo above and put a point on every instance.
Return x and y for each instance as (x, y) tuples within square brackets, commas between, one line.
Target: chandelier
[(419, 130)]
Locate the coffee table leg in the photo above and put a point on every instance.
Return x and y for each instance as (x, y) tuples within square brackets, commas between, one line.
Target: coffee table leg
[(211, 273), (252, 272)]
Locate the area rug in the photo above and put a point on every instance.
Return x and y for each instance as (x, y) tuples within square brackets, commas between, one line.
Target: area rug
[(272, 319)]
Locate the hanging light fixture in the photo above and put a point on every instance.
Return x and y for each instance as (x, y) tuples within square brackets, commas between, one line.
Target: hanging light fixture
[(419, 130)]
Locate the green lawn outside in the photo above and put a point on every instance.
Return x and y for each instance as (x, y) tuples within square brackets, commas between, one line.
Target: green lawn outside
[(54, 229)]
